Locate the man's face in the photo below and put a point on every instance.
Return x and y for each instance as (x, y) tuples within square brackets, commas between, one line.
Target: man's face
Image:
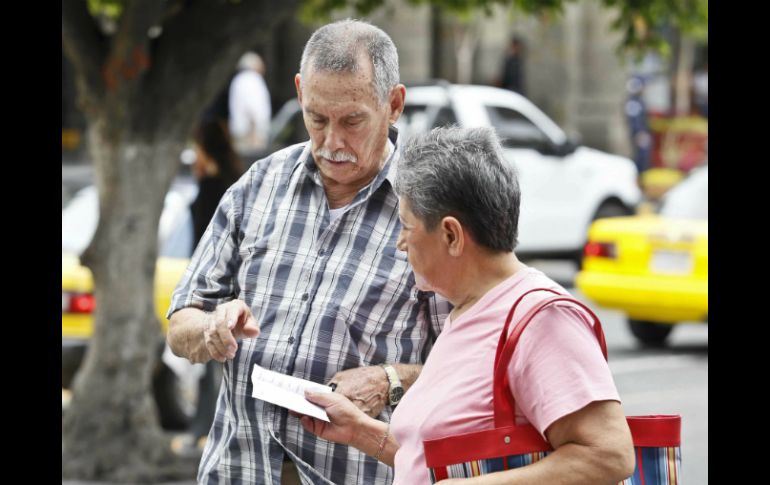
[(348, 125)]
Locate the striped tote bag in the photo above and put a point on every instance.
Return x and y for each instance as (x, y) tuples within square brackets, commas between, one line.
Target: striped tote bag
[(506, 446)]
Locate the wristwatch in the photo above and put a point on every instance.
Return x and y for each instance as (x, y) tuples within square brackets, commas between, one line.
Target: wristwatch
[(396, 389)]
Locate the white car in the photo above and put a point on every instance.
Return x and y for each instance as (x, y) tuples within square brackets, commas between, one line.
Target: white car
[(564, 186)]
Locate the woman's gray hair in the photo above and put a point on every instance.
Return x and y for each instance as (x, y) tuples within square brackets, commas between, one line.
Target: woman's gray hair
[(336, 47), (462, 173)]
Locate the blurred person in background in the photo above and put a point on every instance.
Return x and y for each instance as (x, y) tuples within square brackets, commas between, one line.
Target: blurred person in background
[(249, 107), (216, 168), (513, 66), (638, 125), (299, 273)]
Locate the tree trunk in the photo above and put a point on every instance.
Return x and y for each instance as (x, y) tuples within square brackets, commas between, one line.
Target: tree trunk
[(141, 99), (133, 175)]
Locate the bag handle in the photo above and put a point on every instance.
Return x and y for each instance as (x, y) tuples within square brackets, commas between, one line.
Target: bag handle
[(503, 400)]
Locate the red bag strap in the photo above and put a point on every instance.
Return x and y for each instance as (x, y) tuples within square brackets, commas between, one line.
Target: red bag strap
[(504, 401), (504, 333)]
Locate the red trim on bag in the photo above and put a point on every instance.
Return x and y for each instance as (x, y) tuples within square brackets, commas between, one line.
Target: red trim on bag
[(482, 445), (655, 430)]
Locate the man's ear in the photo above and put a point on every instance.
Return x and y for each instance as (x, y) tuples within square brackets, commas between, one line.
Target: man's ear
[(453, 235), (397, 97), (297, 83)]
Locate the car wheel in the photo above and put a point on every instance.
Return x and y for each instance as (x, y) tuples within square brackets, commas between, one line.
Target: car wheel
[(650, 334), (175, 407), (611, 208)]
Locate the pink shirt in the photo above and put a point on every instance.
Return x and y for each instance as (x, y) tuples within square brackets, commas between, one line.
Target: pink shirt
[(557, 369)]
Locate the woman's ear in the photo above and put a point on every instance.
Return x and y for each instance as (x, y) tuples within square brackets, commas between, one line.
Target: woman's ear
[(453, 235)]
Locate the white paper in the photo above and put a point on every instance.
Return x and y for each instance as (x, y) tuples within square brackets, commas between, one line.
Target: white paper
[(287, 391)]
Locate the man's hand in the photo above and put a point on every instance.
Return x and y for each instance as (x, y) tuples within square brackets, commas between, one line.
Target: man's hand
[(230, 321), (366, 387)]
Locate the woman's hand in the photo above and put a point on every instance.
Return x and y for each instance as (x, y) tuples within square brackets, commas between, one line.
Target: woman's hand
[(346, 418)]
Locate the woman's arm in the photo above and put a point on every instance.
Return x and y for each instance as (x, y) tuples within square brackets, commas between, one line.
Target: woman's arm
[(592, 446)]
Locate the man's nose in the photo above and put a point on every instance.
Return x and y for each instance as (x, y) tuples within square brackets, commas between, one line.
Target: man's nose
[(333, 140)]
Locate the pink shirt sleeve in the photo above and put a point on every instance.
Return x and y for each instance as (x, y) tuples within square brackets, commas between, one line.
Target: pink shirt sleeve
[(558, 367)]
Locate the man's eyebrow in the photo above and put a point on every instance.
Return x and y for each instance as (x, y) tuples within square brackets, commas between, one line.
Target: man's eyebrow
[(313, 113)]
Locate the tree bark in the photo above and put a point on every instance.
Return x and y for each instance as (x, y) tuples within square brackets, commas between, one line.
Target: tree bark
[(111, 430)]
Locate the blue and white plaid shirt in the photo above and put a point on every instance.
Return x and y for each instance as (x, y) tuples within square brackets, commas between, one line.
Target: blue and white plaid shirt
[(328, 296)]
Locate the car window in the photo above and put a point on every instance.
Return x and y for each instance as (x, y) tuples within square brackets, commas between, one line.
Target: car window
[(445, 117), (516, 130), (413, 120)]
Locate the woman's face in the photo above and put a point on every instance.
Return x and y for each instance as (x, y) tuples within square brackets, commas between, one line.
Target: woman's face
[(424, 248)]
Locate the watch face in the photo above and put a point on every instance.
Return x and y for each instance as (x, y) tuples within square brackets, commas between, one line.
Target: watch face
[(396, 394)]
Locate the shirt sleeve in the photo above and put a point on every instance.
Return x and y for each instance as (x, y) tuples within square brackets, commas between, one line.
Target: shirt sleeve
[(558, 367), (210, 278)]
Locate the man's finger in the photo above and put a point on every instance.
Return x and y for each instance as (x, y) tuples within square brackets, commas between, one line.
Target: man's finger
[(215, 354), (231, 316), (229, 345), (247, 326), (216, 347)]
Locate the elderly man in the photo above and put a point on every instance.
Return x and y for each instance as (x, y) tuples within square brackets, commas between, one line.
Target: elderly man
[(300, 262)]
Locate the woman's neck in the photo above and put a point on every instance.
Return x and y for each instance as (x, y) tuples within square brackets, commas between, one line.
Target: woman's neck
[(480, 277)]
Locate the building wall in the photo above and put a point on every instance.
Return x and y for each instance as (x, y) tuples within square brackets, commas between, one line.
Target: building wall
[(572, 71)]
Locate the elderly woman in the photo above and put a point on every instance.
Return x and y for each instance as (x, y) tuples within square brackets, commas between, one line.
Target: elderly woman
[(459, 207)]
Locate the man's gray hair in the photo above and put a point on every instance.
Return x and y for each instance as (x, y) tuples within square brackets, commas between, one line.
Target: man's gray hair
[(461, 172), (336, 47)]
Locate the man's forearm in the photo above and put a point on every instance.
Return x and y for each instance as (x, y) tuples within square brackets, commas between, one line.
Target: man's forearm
[(185, 335)]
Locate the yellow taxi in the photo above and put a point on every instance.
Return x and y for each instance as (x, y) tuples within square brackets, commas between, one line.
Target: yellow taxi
[(653, 267)]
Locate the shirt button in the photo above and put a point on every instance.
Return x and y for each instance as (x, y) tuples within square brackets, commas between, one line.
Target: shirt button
[(291, 340), (304, 297), (321, 252)]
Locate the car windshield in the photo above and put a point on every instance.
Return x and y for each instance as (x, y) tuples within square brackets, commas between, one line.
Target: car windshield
[(690, 198), (81, 215)]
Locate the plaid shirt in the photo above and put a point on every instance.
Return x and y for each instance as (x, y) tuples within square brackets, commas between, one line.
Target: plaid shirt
[(328, 296)]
